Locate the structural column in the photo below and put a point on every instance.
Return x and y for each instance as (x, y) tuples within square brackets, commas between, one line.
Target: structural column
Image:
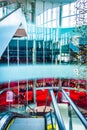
[(34, 41), (43, 34)]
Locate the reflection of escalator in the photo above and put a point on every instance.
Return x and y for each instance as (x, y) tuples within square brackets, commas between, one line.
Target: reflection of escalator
[(9, 25), (61, 117)]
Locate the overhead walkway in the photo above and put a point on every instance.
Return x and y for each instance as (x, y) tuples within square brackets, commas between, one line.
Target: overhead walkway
[(28, 72), (8, 26)]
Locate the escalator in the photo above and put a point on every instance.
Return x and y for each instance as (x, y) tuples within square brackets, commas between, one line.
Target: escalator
[(12, 121), (28, 124), (65, 116), (9, 23)]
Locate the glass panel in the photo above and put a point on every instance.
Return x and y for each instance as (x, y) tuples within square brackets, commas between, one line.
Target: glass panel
[(72, 21), (1, 14), (41, 17), (22, 51), (30, 51), (49, 24), (65, 10), (65, 22), (45, 16), (13, 52), (54, 24), (48, 52), (54, 13), (73, 9), (49, 15), (39, 51), (4, 57)]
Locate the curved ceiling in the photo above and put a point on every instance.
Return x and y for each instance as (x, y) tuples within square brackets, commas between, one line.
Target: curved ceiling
[(60, 1)]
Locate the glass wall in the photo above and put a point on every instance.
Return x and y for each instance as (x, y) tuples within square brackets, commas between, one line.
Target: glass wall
[(48, 42), (68, 15), (47, 23)]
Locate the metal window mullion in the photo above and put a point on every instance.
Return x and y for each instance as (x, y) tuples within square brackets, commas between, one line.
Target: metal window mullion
[(27, 51), (18, 51), (8, 54), (51, 22), (52, 30), (52, 52), (60, 49), (34, 91), (34, 52), (60, 16), (57, 22), (46, 23), (27, 91)]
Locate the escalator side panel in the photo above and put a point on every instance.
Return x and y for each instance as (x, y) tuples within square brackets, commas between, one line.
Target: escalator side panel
[(8, 27)]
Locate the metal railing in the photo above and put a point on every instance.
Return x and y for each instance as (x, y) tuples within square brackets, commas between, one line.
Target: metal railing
[(57, 112), (70, 104), (77, 111)]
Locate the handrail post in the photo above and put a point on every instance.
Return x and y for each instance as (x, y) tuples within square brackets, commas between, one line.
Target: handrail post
[(57, 112), (70, 117)]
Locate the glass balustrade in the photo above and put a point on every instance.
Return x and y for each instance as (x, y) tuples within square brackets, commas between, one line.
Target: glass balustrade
[(7, 9)]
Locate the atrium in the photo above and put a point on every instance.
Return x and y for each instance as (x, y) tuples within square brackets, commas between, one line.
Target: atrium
[(43, 64)]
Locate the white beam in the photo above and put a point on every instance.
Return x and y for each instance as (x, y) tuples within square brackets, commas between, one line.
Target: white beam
[(27, 72)]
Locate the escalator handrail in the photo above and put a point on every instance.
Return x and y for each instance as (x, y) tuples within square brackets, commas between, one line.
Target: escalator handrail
[(9, 14), (77, 111), (2, 114), (57, 112), (5, 120)]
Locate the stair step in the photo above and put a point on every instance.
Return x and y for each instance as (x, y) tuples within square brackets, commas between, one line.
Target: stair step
[(28, 124)]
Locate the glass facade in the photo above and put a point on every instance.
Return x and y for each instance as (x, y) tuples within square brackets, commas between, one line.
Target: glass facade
[(50, 40)]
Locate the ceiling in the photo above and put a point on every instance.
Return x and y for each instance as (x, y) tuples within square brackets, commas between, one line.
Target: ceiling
[(59, 1), (54, 1)]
